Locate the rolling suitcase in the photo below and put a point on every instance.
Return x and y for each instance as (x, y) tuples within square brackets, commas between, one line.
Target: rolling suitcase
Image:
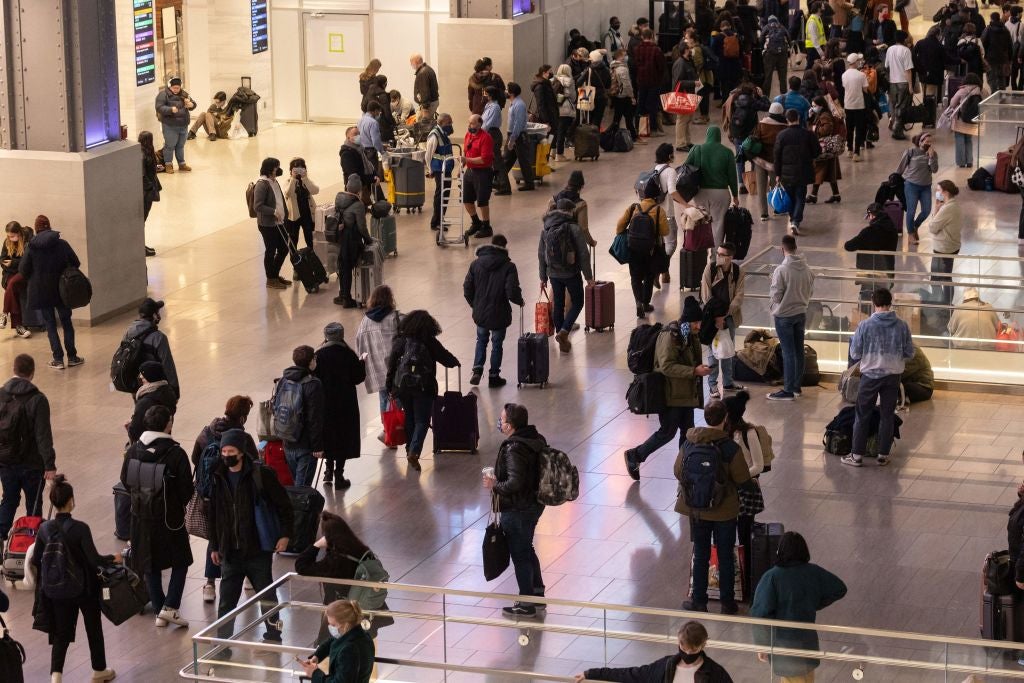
[(598, 302), (307, 504), (894, 210), (249, 117), (1004, 169), (328, 252), (309, 269), (1001, 617), (691, 268), (764, 546), (21, 537), (122, 513), (369, 273), (586, 141), (385, 231), (454, 420), (410, 184), (534, 362)]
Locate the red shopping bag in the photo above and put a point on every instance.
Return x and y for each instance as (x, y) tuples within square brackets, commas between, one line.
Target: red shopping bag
[(1007, 334), (677, 102), (394, 425), (542, 316), (701, 237)]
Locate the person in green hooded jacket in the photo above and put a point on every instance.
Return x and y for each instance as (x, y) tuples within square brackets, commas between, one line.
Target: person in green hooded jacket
[(718, 182), (917, 378), (348, 655)]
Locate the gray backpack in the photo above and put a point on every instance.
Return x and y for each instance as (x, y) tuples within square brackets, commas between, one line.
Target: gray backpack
[(369, 568)]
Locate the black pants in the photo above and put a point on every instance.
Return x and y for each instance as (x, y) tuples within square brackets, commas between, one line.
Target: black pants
[(501, 183), (525, 153), (293, 231), (941, 267), (744, 532), (442, 190), (856, 129), (564, 126), (623, 108), (275, 250), (147, 206), (66, 612), (345, 271), (916, 392), (641, 279)]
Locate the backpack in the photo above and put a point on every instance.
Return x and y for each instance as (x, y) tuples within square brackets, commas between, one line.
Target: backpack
[(849, 383), (980, 180), (764, 440), (642, 233), (208, 459), (640, 351), (74, 288), (250, 198), (872, 76), (649, 181), (743, 118), (369, 568), (969, 109), (646, 394), (558, 480), (777, 41), (60, 576), (687, 181), (559, 247), (15, 436), (968, 52), (704, 477), (731, 46), (287, 405), (124, 366), (413, 366)]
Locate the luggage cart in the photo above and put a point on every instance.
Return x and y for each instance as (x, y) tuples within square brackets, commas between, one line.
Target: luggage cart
[(453, 225)]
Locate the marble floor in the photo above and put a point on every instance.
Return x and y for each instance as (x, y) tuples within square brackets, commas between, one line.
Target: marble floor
[(909, 539)]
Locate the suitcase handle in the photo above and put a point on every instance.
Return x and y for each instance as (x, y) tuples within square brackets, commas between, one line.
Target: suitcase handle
[(459, 369)]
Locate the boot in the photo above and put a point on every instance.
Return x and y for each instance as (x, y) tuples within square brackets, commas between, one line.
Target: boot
[(105, 675), (475, 228), (485, 230), (328, 472)]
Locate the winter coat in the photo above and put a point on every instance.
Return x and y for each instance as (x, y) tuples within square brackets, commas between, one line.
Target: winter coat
[(767, 130), (793, 593), (375, 337), (165, 100), (11, 269), (351, 658), (930, 60), (436, 353), (491, 283), (354, 160), (650, 65), (840, 12), (291, 195), (479, 82), (387, 120), (737, 474), (961, 94), (879, 235), (516, 470), (620, 74), (998, 44), (581, 250), (38, 453), (675, 356), (661, 671), (715, 282), (791, 287), (945, 225), (684, 75), (581, 214), (973, 319), (424, 88), (153, 394), (918, 370), (568, 87), (826, 166), (543, 105), (311, 433), (796, 148), (340, 371), (972, 57), (354, 238), (162, 542), (45, 259), (214, 430), (232, 512), (331, 563), (717, 163), (150, 182), (264, 203), (600, 78), (155, 346)]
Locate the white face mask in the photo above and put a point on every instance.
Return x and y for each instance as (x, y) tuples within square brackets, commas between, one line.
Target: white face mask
[(938, 196), (334, 631)]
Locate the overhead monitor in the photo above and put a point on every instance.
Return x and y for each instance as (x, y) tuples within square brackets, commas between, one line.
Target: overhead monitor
[(260, 25), (145, 45), (521, 7)]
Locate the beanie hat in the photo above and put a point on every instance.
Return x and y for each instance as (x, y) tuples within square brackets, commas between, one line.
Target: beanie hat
[(597, 56), (736, 405), (175, 80), (42, 223), (153, 371), (776, 108), (691, 311), (576, 180), (334, 332), (354, 184), (233, 437)]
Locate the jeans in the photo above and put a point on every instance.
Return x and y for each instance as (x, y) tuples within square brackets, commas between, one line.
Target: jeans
[(996, 79), (724, 363), (442, 190), (564, 125), (779, 65), (275, 249), (175, 588), (50, 316), (702, 532), (856, 129), (68, 610), (790, 331), (15, 479), (417, 419), (943, 265), (301, 464), (174, 143), (887, 391), (501, 183), (234, 570), (671, 420), (497, 338), (574, 284), (519, 526), (964, 149), (622, 108), (384, 398), (798, 195), (899, 101), (917, 194)]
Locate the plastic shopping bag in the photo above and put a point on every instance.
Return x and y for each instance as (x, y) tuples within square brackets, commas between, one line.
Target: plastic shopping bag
[(723, 346), (779, 199)]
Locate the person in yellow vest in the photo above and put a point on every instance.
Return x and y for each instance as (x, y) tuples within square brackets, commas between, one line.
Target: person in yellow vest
[(815, 36)]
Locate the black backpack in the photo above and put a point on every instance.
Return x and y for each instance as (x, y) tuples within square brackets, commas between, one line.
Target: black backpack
[(60, 575), (15, 434), (559, 248), (74, 288), (687, 181), (969, 109), (743, 118), (650, 182), (646, 394), (642, 232), (413, 367), (124, 366), (705, 480), (640, 351)]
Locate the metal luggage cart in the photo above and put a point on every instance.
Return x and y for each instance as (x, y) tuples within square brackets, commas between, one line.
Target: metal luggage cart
[(453, 215)]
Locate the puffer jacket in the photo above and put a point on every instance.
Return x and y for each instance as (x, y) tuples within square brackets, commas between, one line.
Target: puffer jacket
[(553, 219), (796, 148), (675, 356), (879, 235), (543, 105), (737, 473), (620, 74), (491, 283), (214, 430), (165, 100), (568, 105), (354, 238), (516, 470)]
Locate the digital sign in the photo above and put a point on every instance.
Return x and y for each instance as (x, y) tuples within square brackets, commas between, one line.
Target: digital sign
[(145, 42), (260, 26), (521, 7)]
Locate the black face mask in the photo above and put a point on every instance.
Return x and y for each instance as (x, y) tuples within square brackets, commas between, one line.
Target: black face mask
[(231, 460), (690, 659)]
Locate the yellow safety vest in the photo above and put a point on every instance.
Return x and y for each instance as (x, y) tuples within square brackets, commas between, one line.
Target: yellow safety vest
[(813, 19)]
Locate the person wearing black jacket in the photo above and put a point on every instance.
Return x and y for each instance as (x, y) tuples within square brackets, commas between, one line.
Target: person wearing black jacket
[(24, 471), (514, 485), (241, 537), (998, 45), (160, 541), (796, 148), (490, 285), (543, 107), (350, 207), (416, 351), (598, 75), (153, 391), (931, 61), (307, 446), (354, 159), (424, 89), (150, 182), (879, 235), (340, 371), (691, 660), (1015, 538), (155, 345)]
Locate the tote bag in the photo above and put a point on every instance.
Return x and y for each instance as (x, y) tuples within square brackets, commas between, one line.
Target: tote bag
[(679, 102), (701, 237), (778, 199), (585, 96), (495, 548), (393, 419), (542, 316)]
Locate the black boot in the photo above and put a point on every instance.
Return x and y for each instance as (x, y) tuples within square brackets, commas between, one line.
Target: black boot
[(328, 471), (475, 228), (340, 482), (485, 230)]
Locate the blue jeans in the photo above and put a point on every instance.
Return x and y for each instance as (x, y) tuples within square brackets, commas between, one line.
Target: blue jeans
[(725, 363), (917, 194), (497, 338), (15, 479), (50, 316), (671, 420), (740, 165), (417, 420), (174, 143), (798, 195), (559, 318), (790, 331), (964, 149), (724, 534), (301, 464), (519, 526), (175, 588), (234, 570)]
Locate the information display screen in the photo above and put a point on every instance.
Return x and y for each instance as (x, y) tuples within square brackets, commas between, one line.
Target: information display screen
[(521, 7), (145, 42), (260, 26)]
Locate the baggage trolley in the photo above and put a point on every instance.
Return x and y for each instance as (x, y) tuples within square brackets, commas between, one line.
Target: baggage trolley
[(453, 215)]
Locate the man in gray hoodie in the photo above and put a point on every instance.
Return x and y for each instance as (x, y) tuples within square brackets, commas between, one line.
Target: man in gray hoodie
[(790, 293), (883, 345), (563, 255)]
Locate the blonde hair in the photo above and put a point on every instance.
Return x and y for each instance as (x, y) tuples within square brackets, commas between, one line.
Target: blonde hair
[(15, 249), (345, 612)]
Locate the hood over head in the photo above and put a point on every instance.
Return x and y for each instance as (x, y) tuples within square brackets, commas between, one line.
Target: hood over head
[(714, 134), (492, 257), (529, 436)]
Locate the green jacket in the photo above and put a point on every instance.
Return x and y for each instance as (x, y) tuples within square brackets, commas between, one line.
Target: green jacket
[(717, 163), (738, 473), (919, 370), (675, 358), (352, 657)]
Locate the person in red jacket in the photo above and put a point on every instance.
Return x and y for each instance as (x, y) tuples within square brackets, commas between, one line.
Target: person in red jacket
[(476, 182), (650, 72)]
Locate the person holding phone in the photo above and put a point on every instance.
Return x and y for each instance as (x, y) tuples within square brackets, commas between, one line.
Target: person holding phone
[(298, 195), (348, 655)]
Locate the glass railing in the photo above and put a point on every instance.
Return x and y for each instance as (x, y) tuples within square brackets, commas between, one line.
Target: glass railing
[(965, 341), (429, 633)]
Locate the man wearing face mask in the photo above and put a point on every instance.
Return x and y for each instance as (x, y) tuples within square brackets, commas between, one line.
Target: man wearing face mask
[(155, 345), (439, 154), (611, 41), (242, 538), (369, 127), (478, 157), (723, 282), (691, 663)]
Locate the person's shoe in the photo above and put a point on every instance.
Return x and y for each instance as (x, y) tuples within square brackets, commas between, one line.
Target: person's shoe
[(743, 189), (561, 157), (75, 360), (105, 675), (883, 459), (527, 188), (812, 199), (869, 145), (764, 218), (520, 609), (849, 154), (657, 133), (328, 476), (170, 616), (852, 460), (169, 169), (56, 677), (272, 635), (730, 608), (211, 137), (914, 239), (55, 365), (657, 281), (286, 283), (666, 278), (781, 395), (484, 232), (414, 462), (575, 327), (22, 332), (209, 593), (692, 606), (834, 199), (502, 193), (185, 168), (735, 387), (478, 373), (640, 313), (191, 135), (794, 229), (648, 308), (856, 158), (714, 395), (342, 484), (562, 339), (798, 393), (639, 141), (350, 303), (496, 381), (435, 228), (3, 321), (275, 283), (632, 466), (150, 251)]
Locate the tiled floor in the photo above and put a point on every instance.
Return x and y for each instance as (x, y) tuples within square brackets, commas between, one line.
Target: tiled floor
[(909, 539)]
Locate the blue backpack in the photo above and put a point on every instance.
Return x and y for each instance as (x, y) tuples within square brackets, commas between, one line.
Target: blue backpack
[(287, 404), (704, 476), (208, 459)]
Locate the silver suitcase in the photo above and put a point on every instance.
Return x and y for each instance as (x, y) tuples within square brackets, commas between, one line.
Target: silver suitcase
[(369, 273)]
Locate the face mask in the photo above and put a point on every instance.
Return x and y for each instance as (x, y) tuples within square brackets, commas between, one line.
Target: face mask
[(500, 425), (448, 130), (334, 631), (231, 460), (279, 172), (473, 130), (690, 659), (938, 195)]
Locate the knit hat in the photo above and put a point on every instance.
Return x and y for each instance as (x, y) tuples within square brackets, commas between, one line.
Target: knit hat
[(174, 81), (776, 108), (576, 180), (149, 307), (354, 184), (42, 223), (736, 405), (233, 437), (596, 56), (153, 371), (334, 332), (691, 311)]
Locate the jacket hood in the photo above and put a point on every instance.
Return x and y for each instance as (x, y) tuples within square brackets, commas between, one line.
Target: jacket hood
[(772, 20), (795, 261), (555, 218), (294, 373), (47, 239), (885, 318), (529, 436), (714, 134), (222, 424), (378, 313), (705, 434), (148, 437), (345, 200), (138, 326), (19, 386), (883, 222), (492, 257), (476, 81)]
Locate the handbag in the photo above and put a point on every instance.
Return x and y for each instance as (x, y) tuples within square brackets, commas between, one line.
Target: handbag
[(1017, 177), (751, 499), (779, 199), (265, 421), (393, 419), (542, 322), (700, 237), (677, 102), (586, 96), (122, 593), (12, 657), (197, 521), (620, 248), (999, 573), (268, 526), (495, 548), (723, 346), (833, 144), (750, 181)]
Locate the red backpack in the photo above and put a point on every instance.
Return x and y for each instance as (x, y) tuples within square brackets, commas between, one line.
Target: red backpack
[(731, 46)]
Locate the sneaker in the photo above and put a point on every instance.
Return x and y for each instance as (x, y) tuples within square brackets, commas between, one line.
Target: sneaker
[(75, 360), (811, 199), (714, 395), (798, 393), (781, 396), (691, 606), (764, 218), (852, 460), (834, 199), (275, 283), (209, 593), (730, 608), (22, 332), (56, 364), (477, 374), (191, 135), (562, 339), (735, 387), (3, 321), (883, 459), (632, 466), (495, 381), (169, 169), (794, 229), (648, 308), (184, 168), (520, 609), (150, 251), (414, 462), (211, 137), (105, 675), (488, 232), (170, 616)]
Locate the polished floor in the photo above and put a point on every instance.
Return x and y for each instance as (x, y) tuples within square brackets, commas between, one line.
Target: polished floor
[(909, 539)]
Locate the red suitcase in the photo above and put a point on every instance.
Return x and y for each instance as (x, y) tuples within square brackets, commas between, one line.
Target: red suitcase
[(22, 537), (599, 303), (273, 456), (1004, 168)]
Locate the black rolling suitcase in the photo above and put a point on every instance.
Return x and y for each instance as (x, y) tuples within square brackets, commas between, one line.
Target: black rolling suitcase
[(691, 268), (764, 546), (1002, 617), (455, 420), (122, 512), (534, 362), (586, 141), (309, 269), (307, 504)]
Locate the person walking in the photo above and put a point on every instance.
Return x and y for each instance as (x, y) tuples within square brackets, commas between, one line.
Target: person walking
[(962, 109), (766, 131), (788, 297), (581, 214), (514, 485), (17, 237), (158, 536), (563, 256), (795, 150), (690, 663), (882, 345), (477, 160), (151, 186), (646, 227), (155, 345), (711, 503), (826, 164), (440, 163), (917, 165), (58, 616), (491, 284), (677, 356), (855, 87), (305, 444), (354, 238), (298, 196), (424, 89), (415, 354), (374, 339), (172, 111), (718, 182), (998, 46), (153, 391), (775, 53), (340, 371), (945, 228), (725, 44), (349, 651), (723, 282), (45, 260), (900, 64), (271, 212), (565, 96)]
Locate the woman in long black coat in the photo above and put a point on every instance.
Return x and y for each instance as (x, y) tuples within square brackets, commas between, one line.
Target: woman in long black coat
[(340, 371)]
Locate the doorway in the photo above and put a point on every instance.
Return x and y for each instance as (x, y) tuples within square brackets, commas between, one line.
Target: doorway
[(336, 48)]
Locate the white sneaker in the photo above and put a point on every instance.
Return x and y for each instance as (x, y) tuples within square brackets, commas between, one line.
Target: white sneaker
[(794, 229), (209, 592), (883, 459), (3, 321), (170, 616), (22, 332), (853, 460)]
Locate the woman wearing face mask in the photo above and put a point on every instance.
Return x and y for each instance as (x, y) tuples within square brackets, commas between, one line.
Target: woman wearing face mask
[(298, 195), (826, 165), (916, 166), (543, 107), (565, 96), (945, 227), (883, 28), (13, 283), (271, 212), (349, 652)]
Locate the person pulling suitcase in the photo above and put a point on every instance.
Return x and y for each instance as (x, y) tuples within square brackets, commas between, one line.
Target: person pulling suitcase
[(491, 285), (564, 256)]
